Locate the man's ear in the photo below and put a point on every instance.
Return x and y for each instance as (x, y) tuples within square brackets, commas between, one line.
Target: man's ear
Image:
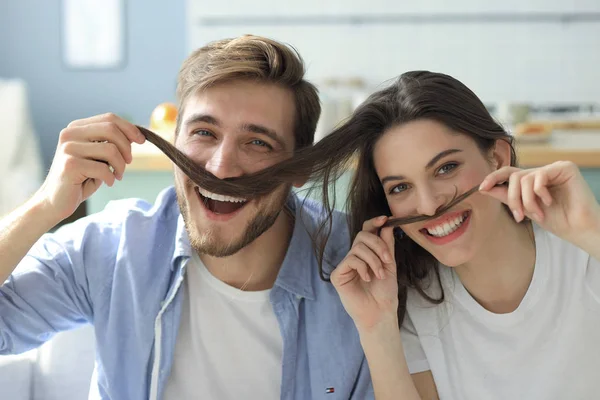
[(501, 154)]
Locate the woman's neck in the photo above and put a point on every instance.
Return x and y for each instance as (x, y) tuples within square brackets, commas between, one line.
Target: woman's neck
[(500, 273)]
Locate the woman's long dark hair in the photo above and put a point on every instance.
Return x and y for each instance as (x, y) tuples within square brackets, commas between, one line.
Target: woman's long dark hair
[(415, 95)]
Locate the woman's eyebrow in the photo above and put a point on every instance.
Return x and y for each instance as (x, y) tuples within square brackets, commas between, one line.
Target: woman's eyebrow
[(441, 155), (430, 164)]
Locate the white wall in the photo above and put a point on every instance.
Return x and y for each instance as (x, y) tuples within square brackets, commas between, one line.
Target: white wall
[(547, 61)]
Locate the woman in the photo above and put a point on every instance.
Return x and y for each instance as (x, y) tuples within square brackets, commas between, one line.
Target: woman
[(498, 297)]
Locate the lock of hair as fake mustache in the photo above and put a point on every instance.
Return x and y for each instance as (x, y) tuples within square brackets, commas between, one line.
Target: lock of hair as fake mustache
[(310, 161), (307, 162), (419, 218)]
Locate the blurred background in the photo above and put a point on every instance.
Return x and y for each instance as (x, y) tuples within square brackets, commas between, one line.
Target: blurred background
[(533, 60), (534, 63)]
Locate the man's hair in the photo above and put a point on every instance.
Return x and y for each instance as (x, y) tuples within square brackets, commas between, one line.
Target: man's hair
[(258, 59)]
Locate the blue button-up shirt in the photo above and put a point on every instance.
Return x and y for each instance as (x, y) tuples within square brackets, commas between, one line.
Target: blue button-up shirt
[(121, 270)]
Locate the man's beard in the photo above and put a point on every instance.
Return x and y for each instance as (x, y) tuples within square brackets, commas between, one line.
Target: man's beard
[(208, 243)]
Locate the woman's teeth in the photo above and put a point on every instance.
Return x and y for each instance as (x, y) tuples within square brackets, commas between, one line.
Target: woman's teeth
[(447, 227), (219, 197)]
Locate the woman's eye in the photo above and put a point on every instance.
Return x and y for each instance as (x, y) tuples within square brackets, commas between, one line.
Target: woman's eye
[(444, 169), (399, 188)]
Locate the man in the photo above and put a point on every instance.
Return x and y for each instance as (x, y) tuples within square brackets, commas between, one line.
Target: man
[(199, 295)]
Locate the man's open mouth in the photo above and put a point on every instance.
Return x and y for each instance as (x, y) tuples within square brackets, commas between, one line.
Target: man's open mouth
[(218, 203)]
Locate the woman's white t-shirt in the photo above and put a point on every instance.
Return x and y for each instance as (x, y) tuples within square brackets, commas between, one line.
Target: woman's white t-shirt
[(548, 348)]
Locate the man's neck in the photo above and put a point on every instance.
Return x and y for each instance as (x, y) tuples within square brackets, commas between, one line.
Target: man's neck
[(256, 266), (500, 275)]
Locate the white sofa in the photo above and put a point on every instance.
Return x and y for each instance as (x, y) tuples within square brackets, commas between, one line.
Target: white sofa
[(21, 167), (59, 370)]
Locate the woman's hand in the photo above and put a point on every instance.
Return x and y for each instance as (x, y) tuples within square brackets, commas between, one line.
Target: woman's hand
[(368, 287), (366, 278), (555, 196)]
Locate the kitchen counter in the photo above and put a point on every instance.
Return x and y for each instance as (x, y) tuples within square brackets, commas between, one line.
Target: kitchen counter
[(147, 157), (580, 147)]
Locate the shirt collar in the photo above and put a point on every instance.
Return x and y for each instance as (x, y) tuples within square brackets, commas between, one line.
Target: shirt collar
[(183, 248), (300, 264)]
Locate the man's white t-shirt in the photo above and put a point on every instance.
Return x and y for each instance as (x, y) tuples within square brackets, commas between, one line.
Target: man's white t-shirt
[(228, 346), (548, 348)]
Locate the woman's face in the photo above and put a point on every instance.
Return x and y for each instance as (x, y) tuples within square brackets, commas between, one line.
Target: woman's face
[(422, 165)]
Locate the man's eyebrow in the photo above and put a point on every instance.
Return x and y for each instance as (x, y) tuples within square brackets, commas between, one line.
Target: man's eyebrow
[(200, 117)]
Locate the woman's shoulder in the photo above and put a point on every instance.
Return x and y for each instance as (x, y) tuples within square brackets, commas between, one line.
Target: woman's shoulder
[(431, 301)]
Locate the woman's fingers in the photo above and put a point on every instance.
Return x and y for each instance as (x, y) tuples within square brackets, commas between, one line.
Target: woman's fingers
[(497, 177), (371, 259), (372, 225), (530, 198), (376, 243)]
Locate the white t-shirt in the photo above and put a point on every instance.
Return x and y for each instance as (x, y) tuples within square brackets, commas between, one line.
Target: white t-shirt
[(548, 348), (229, 345)]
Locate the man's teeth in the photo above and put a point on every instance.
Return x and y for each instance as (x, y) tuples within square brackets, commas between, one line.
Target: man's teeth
[(447, 227), (219, 197)]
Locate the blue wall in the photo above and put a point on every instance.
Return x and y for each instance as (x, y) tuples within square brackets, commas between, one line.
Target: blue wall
[(30, 49)]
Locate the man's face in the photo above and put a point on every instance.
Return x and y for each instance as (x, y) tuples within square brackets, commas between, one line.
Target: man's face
[(233, 129)]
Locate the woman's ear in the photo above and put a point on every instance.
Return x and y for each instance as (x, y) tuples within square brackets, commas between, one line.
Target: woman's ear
[(501, 154)]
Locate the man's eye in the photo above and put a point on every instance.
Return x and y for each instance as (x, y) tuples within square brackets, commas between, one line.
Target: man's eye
[(261, 143), (202, 132)]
